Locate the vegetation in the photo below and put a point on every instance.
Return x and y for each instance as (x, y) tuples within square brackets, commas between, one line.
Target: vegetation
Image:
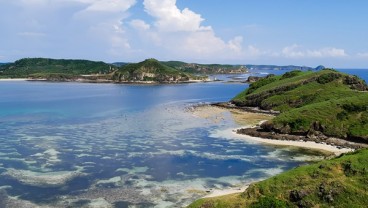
[(151, 70), (339, 182), (26, 67), (70, 70), (335, 101), (206, 68)]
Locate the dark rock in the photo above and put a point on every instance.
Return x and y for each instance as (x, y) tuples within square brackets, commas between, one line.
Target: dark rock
[(296, 195), (252, 79)]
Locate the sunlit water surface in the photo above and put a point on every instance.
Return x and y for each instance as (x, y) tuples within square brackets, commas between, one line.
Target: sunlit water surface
[(71, 144)]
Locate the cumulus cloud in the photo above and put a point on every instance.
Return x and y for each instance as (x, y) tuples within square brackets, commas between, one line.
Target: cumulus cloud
[(80, 26), (182, 33), (139, 24), (297, 51), (170, 18)]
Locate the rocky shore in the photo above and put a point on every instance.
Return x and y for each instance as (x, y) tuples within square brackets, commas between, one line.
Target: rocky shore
[(312, 136)]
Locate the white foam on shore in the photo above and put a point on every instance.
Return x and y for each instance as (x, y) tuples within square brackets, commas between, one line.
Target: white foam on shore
[(231, 134)]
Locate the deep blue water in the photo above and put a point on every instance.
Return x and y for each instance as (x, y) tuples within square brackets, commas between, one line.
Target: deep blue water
[(362, 73), (67, 144)]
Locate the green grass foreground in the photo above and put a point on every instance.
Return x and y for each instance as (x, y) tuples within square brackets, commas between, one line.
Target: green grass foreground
[(338, 182)]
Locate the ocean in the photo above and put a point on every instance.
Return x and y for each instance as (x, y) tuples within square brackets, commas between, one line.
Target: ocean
[(74, 144)]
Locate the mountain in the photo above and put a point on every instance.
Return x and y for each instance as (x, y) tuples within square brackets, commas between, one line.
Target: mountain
[(339, 182), (151, 70), (312, 104), (206, 68), (45, 67)]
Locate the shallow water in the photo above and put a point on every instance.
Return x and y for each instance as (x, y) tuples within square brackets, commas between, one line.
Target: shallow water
[(72, 144)]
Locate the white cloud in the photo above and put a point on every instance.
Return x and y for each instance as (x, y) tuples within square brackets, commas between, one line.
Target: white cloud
[(363, 55), (170, 18), (297, 51), (236, 44), (139, 24), (182, 33), (108, 5)]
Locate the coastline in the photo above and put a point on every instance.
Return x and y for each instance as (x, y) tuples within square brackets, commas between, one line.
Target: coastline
[(13, 80), (103, 81), (253, 119), (212, 112), (302, 144)]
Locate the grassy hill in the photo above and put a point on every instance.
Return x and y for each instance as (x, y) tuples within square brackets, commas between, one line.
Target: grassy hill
[(28, 67), (151, 70), (206, 68), (339, 182), (327, 101), (68, 70)]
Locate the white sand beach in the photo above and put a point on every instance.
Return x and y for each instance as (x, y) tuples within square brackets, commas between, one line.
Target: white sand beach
[(12, 80), (248, 120)]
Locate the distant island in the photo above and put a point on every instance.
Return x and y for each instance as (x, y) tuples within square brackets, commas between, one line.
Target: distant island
[(147, 71), (325, 107)]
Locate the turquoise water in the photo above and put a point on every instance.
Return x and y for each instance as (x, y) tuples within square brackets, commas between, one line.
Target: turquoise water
[(72, 144)]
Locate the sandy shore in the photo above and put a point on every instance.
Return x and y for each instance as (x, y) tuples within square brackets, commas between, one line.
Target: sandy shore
[(249, 120), (222, 192), (10, 80), (216, 114), (303, 144)]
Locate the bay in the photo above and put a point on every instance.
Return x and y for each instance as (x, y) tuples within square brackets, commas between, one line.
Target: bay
[(73, 144)]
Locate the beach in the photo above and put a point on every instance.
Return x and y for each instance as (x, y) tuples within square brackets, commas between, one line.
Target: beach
[(250, 120), (11, 80)]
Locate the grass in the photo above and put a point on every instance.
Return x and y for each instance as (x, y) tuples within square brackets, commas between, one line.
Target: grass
[(305, 98), (339, 182)]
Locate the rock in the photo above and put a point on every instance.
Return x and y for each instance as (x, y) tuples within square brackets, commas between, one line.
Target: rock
[(252, 79), (285, 130), (296, 195)]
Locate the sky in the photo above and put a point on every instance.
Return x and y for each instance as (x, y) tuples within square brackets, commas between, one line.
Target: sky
[(332, 33)]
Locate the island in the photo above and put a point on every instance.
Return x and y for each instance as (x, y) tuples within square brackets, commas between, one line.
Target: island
[(326, 107)]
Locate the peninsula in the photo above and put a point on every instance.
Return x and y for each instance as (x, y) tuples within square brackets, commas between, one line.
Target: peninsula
[(325, 107)]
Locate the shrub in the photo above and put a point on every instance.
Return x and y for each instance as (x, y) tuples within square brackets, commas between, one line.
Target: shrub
[(291, 74)]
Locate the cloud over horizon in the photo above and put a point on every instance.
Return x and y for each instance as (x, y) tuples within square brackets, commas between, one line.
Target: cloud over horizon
[(132, 30)]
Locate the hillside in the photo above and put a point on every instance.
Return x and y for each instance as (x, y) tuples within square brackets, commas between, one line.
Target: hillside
[(313, 104), (206, 68), (339, 182), (44, 67), (151, 70)]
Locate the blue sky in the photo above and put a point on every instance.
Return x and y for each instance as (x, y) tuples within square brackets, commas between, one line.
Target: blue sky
[(305, 32)]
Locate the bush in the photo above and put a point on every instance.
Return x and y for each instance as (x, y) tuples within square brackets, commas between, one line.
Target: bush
[(326, 78), (260, 83), (291, 74)]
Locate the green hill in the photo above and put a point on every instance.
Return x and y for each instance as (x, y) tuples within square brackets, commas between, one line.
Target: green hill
[(327, 101), (44, 67), (310, 104), (151, 70), (206, 68), (339, 182)]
